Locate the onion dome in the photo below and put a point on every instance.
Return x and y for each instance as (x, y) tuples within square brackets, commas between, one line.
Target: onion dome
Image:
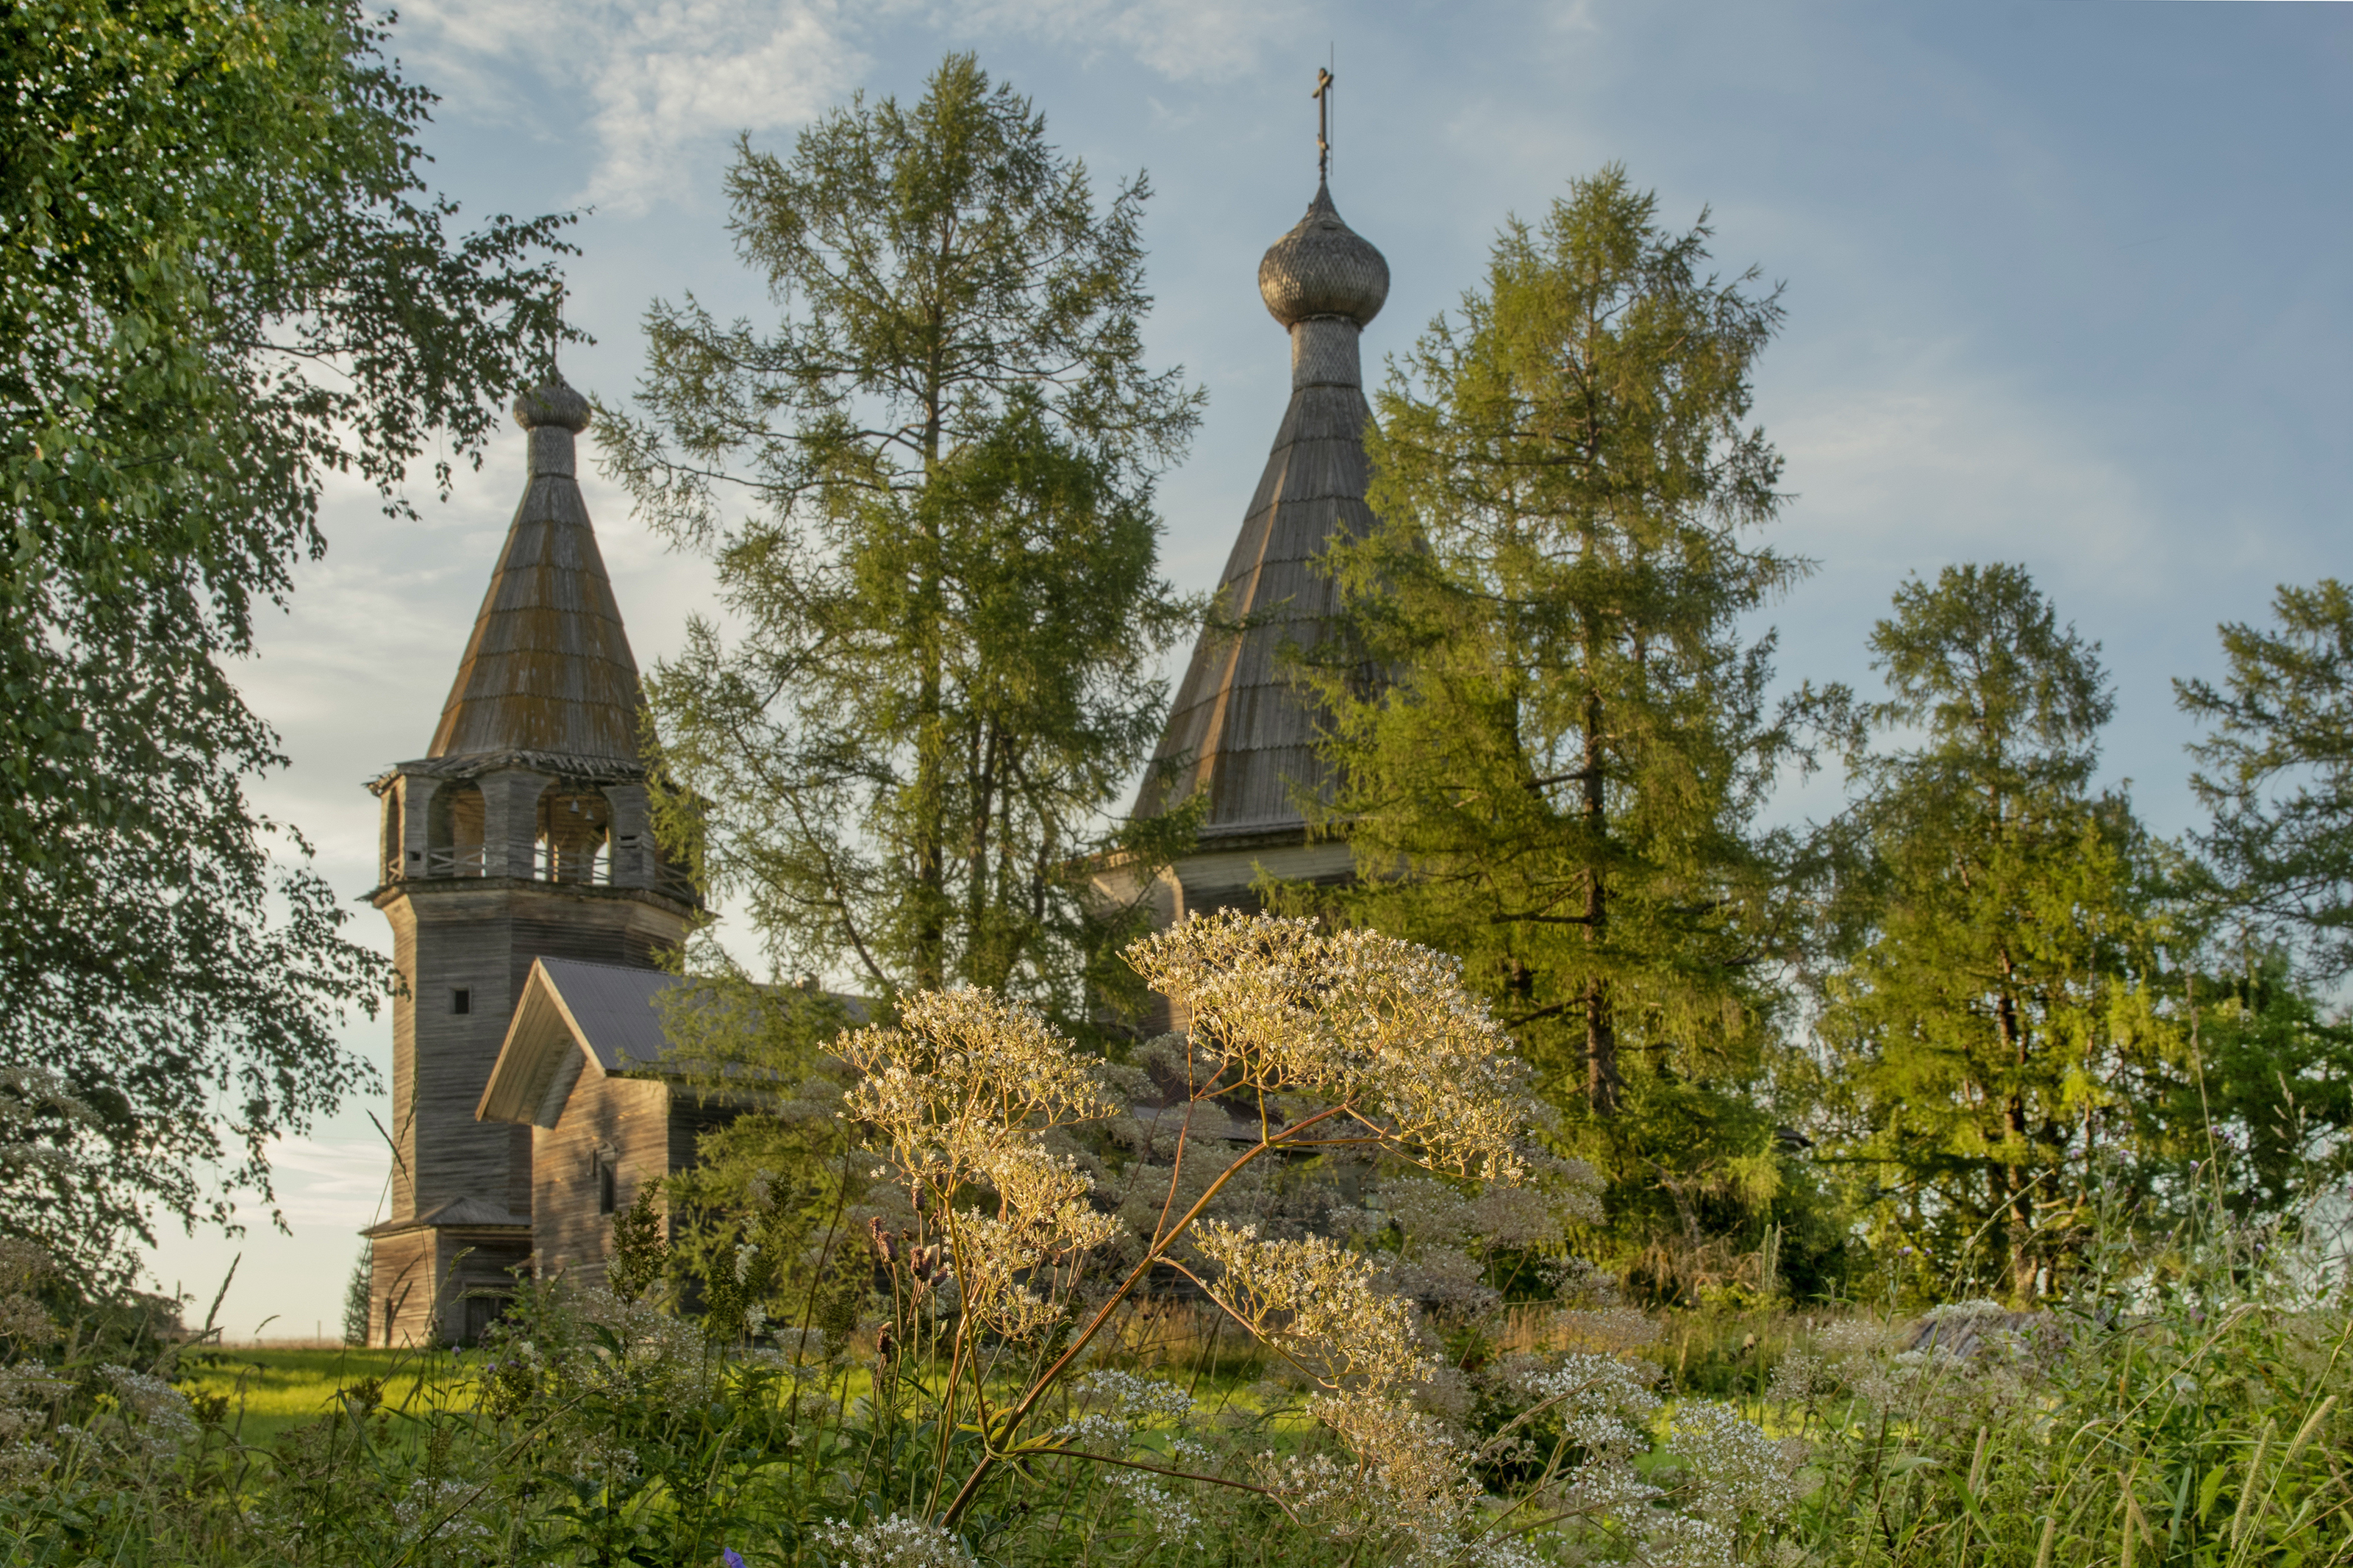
[(1323, 267), (554, 403)]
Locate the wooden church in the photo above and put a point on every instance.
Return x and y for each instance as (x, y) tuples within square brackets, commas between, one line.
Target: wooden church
[(528, 900), (518, 853)]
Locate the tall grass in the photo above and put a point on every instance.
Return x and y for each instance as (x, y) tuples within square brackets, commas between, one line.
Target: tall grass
[(2182, 1405), (2184, 1408)]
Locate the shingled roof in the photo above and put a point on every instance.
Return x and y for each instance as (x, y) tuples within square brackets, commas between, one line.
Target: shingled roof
[(548, 668), (1240, 732)]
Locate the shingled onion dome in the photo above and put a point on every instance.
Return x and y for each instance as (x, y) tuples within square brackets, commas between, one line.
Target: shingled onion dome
[(552, 402), (1323, 267)]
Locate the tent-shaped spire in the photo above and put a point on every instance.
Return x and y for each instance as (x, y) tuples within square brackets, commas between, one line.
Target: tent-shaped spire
[(1241, 732), (548, 666)]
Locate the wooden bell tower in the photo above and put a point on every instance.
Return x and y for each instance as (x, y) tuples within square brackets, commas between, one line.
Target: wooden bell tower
[(523, 833)]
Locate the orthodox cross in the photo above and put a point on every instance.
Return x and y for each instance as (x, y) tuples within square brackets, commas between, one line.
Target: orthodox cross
[(1323, 97)]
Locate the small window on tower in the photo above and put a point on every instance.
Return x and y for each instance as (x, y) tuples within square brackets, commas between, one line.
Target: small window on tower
[(461, 1000), (607, 1199)]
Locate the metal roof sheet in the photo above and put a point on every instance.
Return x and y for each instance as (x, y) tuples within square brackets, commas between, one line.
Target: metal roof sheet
[(613, 1010)]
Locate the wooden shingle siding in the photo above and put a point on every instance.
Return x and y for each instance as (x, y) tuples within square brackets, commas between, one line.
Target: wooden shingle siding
[(1243, 730), (1242, 733), (482, 936), (548, 668)]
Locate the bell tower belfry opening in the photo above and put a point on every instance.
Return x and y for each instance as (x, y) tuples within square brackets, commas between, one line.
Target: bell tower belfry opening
[(524, 831)]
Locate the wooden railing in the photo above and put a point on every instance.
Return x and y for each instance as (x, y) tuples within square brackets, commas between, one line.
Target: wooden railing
[(589, 868), (593, 866)]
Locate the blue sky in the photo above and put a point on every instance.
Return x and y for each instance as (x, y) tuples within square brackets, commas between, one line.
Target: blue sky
[(2067, 285)]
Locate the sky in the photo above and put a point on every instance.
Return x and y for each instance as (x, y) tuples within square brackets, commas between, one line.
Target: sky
[(2066, 286)]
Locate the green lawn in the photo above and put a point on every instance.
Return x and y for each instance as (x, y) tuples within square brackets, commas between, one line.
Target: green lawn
[(269, 1391)]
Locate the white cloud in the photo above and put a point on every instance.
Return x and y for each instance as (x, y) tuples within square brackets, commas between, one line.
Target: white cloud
[(660, 80), (654, 85), (338, 1187), (1926, 467)]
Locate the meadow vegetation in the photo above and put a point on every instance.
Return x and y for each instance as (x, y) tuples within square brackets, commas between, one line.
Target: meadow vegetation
[(1033, 1337)]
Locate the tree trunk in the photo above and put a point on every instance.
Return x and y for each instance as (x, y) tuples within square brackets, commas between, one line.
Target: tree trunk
[(1604, 1089), (931, 740), (2022, 1212)]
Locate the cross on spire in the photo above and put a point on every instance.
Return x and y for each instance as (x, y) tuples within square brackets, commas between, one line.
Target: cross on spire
[(1323, 97)]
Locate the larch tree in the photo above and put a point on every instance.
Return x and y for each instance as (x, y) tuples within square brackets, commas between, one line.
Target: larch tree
[(1551, 727), (1551, 736), (222, 280), (928, 491), (2003, 1001), (2275, 770)]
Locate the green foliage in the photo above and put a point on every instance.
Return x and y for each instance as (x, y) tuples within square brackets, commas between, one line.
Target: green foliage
[(2276, 770), (2186, 1405), (1557, 777), (943, 568), (638, 1248), (775, 1175), (2267, 1098), (358, 1309), (1557, 772), (2002, 999), (221, 281), (2189, 1392)]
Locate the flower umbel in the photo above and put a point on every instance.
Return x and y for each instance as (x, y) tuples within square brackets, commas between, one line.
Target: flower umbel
[(1316, 1303), (1378, 1026)]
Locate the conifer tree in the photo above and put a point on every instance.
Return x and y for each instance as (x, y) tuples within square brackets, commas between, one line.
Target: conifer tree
[(2276, 772), (2002, 1007), (1551, 736), (928, 491)]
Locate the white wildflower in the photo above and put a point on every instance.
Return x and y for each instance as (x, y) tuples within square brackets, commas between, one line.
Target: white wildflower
[(1441, 1277), (1857, 1336), (437, 1510), (1316, 1303), (1736, 1471), (1579, 1282), (156, 1415), (971, 1069), (1673, 1540), (1612, 1331), (1167, 1513), (1412, 1460), (1139, 1401), (1524, 1216), (1602, 1403), (1377, 1025), (27, 1391), (1795, 1377), (1427, 1211), (893, 1542)]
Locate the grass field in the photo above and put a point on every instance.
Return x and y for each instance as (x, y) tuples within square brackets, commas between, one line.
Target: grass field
[(271, 1389)]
